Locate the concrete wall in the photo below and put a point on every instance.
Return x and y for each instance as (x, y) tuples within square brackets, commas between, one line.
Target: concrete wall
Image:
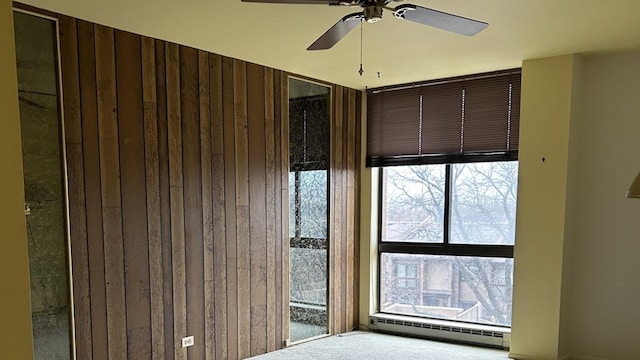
[(15, 311)]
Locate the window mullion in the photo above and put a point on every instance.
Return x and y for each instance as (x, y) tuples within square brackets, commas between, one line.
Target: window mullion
[(381, 220), (447, 205), (502, 251), (298, 206)]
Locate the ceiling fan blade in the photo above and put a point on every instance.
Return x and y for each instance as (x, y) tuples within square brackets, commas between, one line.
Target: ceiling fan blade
[(337, 32), (439, 19), (318, 2)]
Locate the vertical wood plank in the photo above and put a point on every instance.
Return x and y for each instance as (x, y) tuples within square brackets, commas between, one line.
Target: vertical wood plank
[(192, 178), (111, 194), (76, 186), (242, 207), (92, 178), (337, 199), (219, 204), (176, 194), (70, 80), (257, 210), (165, 198), (284, 204), (230, 206), (280, 171), (358, 161), (350, 212), (340, 204), (333, 220), (133, 187), (270, 209), (207, 203), (343, 205), (152, 172)]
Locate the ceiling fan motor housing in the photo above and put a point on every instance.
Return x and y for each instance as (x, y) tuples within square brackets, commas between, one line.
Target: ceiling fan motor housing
[(372, 13)]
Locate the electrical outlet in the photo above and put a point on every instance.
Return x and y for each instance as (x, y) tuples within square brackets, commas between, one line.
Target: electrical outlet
[(187, 341)]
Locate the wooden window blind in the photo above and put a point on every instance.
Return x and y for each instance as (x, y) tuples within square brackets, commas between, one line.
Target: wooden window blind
[(462, 119)]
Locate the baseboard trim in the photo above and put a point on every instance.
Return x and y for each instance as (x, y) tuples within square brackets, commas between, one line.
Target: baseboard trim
[(580, 357), (566, 357), (517, 356)]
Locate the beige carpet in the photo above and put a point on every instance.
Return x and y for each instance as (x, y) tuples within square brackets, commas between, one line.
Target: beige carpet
[(374, 346)]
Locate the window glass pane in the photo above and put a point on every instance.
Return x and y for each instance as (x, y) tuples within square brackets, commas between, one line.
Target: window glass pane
[(310, 189), (413, 203), (308, 276), (309, 130), (483, 203), (313, 204), (292, 204), (44, 186), (469, 289)]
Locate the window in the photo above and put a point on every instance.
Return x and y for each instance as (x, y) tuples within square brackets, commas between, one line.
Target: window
[(406, 276), (446, 242), (448, 153)]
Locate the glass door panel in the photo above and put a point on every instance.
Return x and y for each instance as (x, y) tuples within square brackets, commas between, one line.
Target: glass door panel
[(309, 109), (44, 184)]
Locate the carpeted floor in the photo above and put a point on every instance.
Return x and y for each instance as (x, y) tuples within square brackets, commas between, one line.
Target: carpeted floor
[(374, 346)]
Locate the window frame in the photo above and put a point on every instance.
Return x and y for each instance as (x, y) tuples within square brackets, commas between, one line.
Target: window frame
[(443, 248)]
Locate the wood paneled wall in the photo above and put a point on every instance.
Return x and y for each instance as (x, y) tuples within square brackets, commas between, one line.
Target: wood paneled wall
[(344, 209), (177, 164)]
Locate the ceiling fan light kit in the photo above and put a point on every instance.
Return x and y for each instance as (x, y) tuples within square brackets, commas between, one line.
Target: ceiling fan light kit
[(372, 13)]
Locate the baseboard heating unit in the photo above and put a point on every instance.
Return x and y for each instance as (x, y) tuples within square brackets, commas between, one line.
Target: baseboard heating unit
[(496, 337)]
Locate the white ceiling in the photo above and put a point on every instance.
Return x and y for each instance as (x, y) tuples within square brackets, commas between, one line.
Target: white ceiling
[(277, 35)]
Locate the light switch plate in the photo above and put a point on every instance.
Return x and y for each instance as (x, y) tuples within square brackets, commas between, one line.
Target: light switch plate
[(187, 341)]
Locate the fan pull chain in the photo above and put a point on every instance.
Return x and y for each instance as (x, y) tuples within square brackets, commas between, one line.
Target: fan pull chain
[(361, 71)]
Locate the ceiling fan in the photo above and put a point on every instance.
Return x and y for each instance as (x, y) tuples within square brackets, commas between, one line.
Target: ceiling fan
[(372, 12)]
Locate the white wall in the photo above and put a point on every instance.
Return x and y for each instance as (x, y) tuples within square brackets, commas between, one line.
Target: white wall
[(604, 226), (577, 257), (543, 156)]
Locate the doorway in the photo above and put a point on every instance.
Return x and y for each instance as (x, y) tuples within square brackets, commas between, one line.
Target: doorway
[(45, 205), (309, 139)]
